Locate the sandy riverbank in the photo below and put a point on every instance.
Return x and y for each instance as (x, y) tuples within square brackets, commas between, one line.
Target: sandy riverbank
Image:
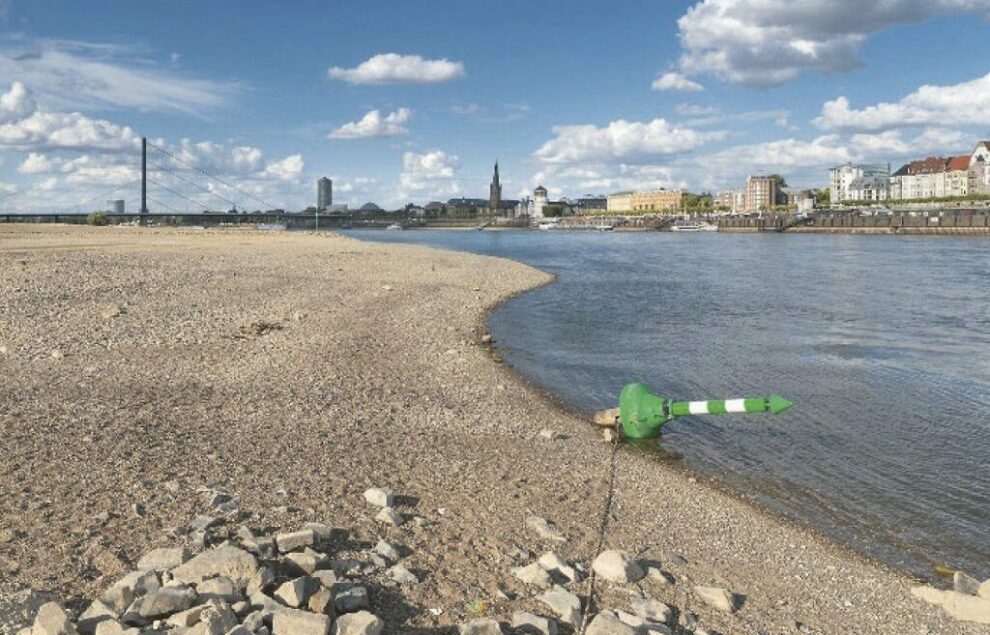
[(129, 362)]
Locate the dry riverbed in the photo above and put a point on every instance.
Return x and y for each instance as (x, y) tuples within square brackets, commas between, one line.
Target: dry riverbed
[(143, 370)]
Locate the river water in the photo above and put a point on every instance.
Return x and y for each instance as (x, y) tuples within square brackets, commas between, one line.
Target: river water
[(882, 342)]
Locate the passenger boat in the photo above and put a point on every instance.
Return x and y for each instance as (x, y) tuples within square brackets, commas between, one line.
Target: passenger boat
[(681, 226), (394, 227)]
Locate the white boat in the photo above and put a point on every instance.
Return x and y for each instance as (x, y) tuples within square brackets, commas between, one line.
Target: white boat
[(604, 228), (681, 226), (547, 226), (394, 227)]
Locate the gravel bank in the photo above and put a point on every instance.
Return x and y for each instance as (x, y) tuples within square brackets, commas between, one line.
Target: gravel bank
[(296, 371)]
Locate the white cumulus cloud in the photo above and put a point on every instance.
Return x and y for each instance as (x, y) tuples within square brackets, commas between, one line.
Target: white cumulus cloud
[(288, 169), (675, 81), (36, 163), (766, 42), (373, 124), (621, 140), (392, 68), (429, 174), (967, 103)]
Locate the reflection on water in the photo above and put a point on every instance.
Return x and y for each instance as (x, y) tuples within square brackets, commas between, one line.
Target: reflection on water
[(880, 341)]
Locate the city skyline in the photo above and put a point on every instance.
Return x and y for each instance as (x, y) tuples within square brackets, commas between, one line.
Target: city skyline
[(699, 95)]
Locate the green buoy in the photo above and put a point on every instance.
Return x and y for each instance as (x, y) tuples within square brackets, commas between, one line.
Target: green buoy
[(643, 413)]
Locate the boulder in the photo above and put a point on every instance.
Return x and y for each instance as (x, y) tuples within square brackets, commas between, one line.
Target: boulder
[(481, 627), (348, 598), (95, 613), (390, 517), (717, 598), (113, 627), (360, 623), (294, 622), (234, 563), (642, 625), (387, 550), (606, 623), (523, 622), (53, 620), (295, 540), (564, 604), (378, 496), (617, 566), (651, 609), (533, 574), (322, 602), (219, 588), (164, 558), (553, 563), (167, 601), (400, 574), (296, 593)]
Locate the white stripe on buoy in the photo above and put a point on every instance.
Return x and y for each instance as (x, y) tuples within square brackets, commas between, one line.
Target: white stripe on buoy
[(735, 405), (698, 407)]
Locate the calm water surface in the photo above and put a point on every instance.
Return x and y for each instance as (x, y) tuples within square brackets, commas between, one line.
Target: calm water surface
[(883, 343)]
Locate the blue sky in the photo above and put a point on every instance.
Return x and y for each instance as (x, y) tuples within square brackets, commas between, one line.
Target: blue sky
[(413, 101)]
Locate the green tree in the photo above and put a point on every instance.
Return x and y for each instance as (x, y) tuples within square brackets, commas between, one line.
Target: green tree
[(98, 219)]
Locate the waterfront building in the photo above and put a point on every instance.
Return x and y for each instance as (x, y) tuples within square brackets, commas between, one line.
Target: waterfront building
[(540, 202), (324, 194), (761, 193), (841, 178), (978, 172), (925, 178), (957, 176), (591, 204), (661, 200), (801, 199), (868, 188), (495, 193), (619, 203)]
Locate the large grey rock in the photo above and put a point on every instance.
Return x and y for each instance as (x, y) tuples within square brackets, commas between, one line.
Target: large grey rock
[(642, 625), (360, 623), (236, 564), (295, 622), (399, 573), (544, 529), (220, 588), (564, 604), (164, 558), (606, 623), (95, 613), (523, 622), (387, 550), (481, 627), (296, 593), (390, 517), (217, 619), (348, 598), (322, 602), (114, 627), (651, 609), (53, 620), (306, 561), (717, 597), (378, 496), (295, 540), (617, 566), (166, 601), (533, 574), (187, 618), (553, 563)]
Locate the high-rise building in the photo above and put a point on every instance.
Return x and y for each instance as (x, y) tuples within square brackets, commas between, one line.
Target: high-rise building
[(116, 206), (324, 194), (495, 193), (761, 193)]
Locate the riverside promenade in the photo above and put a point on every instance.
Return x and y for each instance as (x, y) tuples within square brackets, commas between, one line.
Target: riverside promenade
[(294, 371)]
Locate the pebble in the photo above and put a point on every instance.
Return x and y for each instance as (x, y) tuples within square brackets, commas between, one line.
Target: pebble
[(717, 598), (360, 623), (544, 529), (378, 496), (617, 566)]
